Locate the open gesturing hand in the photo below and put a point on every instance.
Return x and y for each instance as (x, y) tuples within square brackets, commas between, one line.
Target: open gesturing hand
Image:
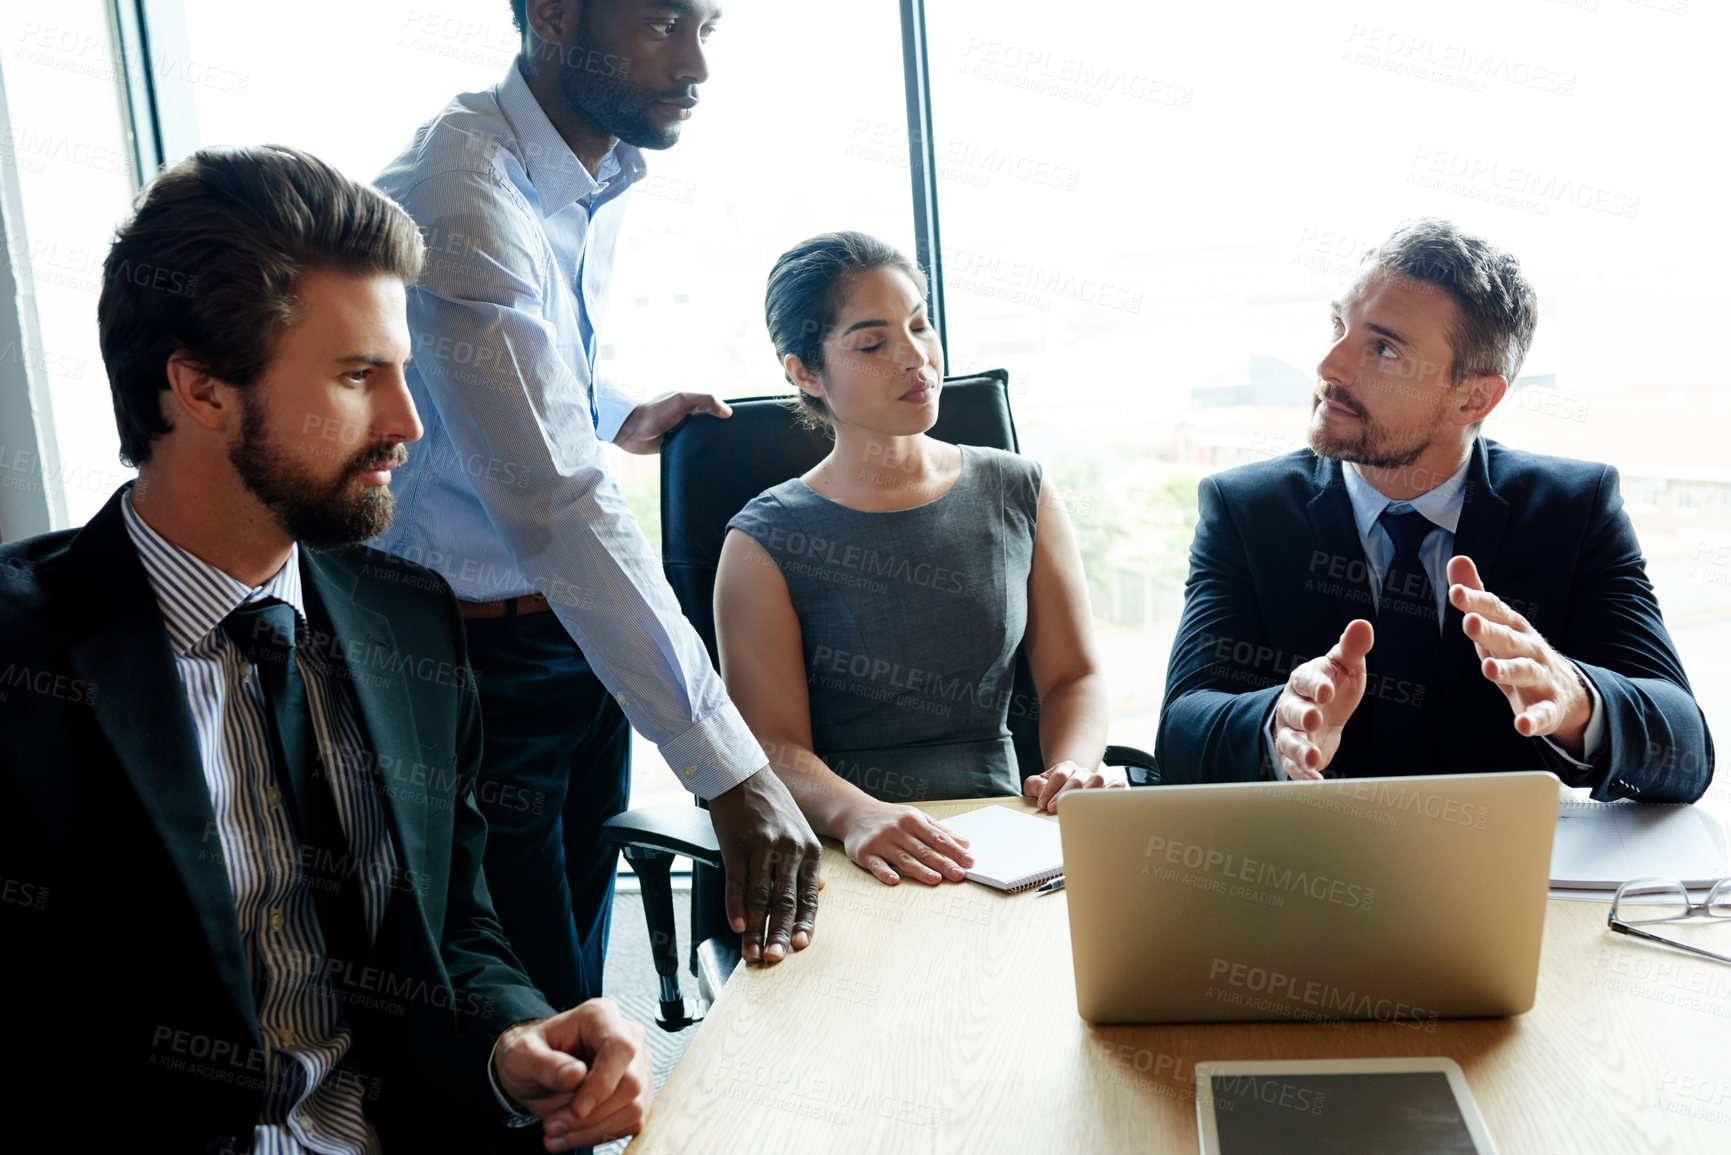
[(1319, 697), (1543, 688)]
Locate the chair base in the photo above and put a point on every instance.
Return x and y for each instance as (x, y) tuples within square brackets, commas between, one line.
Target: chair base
[(676, 1016)]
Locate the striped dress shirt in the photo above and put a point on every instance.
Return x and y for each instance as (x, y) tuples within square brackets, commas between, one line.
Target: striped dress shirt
[(312, 1101), (508, 492)]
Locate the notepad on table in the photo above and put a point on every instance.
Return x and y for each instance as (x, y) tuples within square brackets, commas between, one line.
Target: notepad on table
[(1601, 845), (1012, 851)]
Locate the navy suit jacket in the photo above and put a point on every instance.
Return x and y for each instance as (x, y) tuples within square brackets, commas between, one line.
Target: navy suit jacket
[(123, 963), (1277, 571)]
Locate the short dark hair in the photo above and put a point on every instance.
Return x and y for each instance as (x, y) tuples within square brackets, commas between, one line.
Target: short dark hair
[(1497, 307), (520, 13), (211, 264), (806, 291)]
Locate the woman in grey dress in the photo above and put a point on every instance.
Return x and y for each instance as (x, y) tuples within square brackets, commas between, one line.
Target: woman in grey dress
[(868, 613)]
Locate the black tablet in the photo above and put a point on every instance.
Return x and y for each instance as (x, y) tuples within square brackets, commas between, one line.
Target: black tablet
[(1338, 1107)]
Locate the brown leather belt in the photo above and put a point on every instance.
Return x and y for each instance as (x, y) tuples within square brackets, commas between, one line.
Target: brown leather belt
[(505, 607)]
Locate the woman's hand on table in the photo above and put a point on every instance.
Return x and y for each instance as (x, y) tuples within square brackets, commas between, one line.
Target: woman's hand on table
[(1044, 790), (894, 842)]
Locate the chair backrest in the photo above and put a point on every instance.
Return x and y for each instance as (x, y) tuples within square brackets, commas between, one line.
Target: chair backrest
[(711, 467)]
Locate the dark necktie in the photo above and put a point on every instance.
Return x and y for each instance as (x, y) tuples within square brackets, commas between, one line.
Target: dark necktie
[(264, 631), (1405, 659)]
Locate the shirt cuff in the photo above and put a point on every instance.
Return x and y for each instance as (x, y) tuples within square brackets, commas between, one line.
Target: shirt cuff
[(614, 404), (715, 755), (1595, 733), (1271, 758), (513, 1117)]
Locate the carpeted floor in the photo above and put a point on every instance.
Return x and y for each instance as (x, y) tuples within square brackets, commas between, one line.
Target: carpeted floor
[(631, 981)]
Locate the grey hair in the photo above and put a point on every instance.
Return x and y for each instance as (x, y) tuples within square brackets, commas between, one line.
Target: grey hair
[(1497, 308)]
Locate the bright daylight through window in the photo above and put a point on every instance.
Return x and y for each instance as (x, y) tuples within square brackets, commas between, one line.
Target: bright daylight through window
[(1144, 209)]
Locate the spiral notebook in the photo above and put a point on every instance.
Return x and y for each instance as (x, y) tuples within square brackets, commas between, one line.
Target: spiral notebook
[(1012, 851), (1601, 845)]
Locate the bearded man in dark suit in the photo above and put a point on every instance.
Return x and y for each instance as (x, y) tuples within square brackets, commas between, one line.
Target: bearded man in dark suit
[(237, 770)]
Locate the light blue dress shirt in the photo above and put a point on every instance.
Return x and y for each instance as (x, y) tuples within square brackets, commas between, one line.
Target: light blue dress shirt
[(508, 492), (1442, 506)]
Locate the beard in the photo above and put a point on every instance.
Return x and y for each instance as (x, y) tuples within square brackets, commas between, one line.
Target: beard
[(319, 513), (1372, 445), (607, 97)]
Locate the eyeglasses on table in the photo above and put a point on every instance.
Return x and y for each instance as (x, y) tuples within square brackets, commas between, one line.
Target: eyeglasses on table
[(1644, 901)]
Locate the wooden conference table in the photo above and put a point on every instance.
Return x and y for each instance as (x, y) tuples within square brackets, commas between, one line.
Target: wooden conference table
[(943, 1020)]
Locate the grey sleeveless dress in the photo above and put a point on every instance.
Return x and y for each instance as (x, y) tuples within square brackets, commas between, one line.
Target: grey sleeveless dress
[(910, 622)]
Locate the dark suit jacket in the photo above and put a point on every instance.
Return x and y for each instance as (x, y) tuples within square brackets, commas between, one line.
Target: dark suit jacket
[(1277, 572), (124, 972)]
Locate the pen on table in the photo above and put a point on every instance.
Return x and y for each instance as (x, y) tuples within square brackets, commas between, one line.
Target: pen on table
[(1049, 887)]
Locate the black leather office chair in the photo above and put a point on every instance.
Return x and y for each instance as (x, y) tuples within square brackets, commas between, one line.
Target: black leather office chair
[(710, 469)]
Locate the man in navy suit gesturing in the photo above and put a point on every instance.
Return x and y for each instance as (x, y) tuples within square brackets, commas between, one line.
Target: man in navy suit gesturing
[(1475, 608)]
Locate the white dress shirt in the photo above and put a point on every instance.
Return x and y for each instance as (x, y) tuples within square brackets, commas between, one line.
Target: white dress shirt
[(508, 492)]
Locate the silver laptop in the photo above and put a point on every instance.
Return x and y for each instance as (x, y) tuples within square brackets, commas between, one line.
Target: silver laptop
[(1390, 899)]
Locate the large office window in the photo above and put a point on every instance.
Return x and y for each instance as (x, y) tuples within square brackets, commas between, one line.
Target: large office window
[(69, 154), (801, 129), (796, 135), (347, 82), (1145, 211)]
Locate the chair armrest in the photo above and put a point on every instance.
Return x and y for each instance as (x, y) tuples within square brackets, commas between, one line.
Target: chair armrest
[(1143, 770), (672, 829)]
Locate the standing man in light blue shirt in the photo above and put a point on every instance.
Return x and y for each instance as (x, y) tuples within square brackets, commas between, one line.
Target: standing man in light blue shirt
[(519, 192)]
